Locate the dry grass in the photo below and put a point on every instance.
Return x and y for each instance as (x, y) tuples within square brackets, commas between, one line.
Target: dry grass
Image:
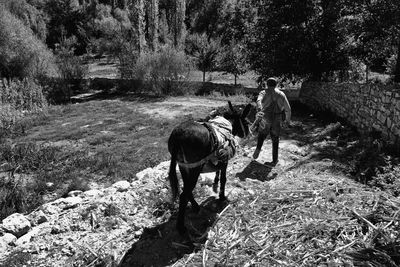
[(308, 220)]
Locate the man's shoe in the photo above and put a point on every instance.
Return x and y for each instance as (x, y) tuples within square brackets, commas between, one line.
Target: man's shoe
[(256, 153)]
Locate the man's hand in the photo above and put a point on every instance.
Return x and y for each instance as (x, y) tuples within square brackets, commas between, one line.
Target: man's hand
[(286, 124), (259, 115)]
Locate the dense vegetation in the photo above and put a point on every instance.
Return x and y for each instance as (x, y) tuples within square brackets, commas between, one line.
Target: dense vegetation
[(314, 39)]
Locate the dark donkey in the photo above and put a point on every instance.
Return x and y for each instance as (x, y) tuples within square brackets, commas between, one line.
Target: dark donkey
[(192, 145)]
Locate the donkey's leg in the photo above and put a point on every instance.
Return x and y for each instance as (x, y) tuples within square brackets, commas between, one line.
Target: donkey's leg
[(189, 178), (216, 180), (180, 224), (194, 176), (222, 183)]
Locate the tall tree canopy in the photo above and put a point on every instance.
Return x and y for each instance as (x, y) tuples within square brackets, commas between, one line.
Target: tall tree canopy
[(297, 37)]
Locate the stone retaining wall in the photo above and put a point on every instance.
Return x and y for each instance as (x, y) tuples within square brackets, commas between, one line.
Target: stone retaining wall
[(369, 107)]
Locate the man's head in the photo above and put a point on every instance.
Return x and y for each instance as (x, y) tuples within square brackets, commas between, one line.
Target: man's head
[(271, 82)]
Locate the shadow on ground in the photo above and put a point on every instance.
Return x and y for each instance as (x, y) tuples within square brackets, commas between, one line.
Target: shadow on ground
[(162, 245), (129, 97), (257, 171)]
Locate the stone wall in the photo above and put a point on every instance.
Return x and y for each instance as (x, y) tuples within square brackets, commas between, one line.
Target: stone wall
[(369, 107)]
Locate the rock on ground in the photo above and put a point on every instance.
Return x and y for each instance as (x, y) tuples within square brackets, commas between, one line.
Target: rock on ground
[(16, 224)]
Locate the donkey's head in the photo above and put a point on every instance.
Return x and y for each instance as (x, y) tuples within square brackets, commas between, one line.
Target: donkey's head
[(240, 125)]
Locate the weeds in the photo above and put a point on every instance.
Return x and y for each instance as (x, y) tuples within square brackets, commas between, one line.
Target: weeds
[(13, 197), (17, 259), (22, 105), (111, 210)]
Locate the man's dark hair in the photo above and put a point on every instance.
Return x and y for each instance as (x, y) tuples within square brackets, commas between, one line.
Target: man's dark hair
[(272, 82)]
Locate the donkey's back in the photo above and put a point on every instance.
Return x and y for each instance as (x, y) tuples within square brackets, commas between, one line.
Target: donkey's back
[(189, 142)]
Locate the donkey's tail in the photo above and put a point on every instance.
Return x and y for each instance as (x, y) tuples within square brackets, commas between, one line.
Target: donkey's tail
[(173, 179)]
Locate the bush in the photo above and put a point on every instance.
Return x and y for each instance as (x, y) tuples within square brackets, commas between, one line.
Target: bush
[(72, 72), (24, 95), (12, 197), (388, 177), (391, 65), (18, 101), (22, 55), (127, 60), (357, 70), (160, 70)]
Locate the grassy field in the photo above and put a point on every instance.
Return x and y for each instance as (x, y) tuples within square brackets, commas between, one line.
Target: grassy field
[(96, 143)]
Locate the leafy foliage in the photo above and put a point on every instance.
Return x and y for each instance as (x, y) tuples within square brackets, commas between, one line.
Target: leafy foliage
[(160, 69), (21, 53), (297, 37), (204, 51), (234, 59), (71, 69), (66, 20), (33, 18)]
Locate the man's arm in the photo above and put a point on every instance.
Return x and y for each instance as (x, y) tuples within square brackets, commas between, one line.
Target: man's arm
[(288, 109), (259, 100)]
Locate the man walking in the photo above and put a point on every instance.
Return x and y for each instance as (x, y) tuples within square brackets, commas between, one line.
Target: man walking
[(271, 103)]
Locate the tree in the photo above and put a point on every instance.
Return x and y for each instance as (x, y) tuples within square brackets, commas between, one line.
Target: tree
[(297, 38), (236, 19), (30, 16), (379, 36), (22, 54), (179, 23), (67, 19), (234, 59), (153, 18), (204, 16), (204, 51)]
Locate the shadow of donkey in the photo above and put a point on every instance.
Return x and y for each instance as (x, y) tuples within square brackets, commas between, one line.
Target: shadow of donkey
[(163, 245)]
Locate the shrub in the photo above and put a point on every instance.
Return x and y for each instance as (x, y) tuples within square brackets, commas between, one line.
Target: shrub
[(22, 55), (357, 70), (128, 56), (12, 197), (160, 70), (24, 95), (19, 101), (72, 72), (391, 65), (388, 177)]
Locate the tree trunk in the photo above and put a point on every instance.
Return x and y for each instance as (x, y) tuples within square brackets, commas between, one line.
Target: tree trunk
[(179, 23), (153, 24), (141, 27), (235, 79), (204, 76), (397, 68), (366, 74)]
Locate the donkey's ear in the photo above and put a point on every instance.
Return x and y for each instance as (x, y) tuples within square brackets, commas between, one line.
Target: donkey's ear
[(231, 107), (246, 111)]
